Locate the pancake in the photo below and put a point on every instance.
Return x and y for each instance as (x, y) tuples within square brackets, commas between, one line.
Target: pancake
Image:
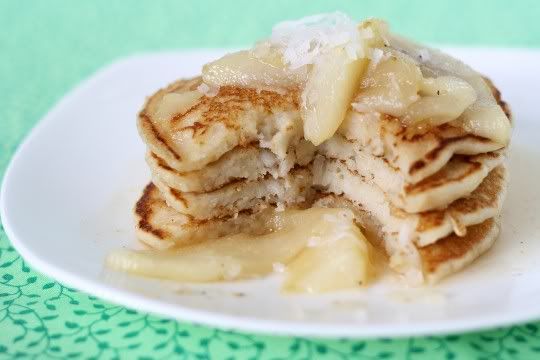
[(458, 178), (453, 253), (256, 158), (417, 157), (240, 195), (204, 128), (243, 133), (161, 227), (461, 183), (207, 127), (332, 176), (423, 264), (429, 263), (412, 140), (243, 162)]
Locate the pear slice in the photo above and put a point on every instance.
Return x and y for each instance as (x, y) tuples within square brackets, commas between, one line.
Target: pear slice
[(327, 96), (244, 68), (487, 121), (328, 237), (233, 257), (443, 99), (390, 87), (483, 118), (341, 260)]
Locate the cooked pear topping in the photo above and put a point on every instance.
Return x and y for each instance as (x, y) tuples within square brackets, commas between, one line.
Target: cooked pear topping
[(259, 131), (328, 93), (245, 68), (391, 87), (484, 117), (327, 57), (443, 99), (397, 87), (488, 121), (326, 234), (338, 259)]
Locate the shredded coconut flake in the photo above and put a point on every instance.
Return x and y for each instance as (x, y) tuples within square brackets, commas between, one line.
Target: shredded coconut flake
[(207, 90), (376, 56), (424, 55), (232, 271), (458, 226), (278, 267), (304, 41), (314, 241), (405, 234), (361, 108)]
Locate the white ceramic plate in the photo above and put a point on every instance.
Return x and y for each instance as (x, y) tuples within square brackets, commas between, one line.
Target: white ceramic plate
[(68, 193)]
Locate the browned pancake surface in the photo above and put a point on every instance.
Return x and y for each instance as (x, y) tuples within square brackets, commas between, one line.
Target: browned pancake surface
[(454, 248)]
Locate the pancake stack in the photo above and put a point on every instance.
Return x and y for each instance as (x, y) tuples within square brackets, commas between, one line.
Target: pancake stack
[(220, 160), (428, 217)]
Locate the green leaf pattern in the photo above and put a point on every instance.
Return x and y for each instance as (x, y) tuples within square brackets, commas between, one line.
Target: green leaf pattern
[(43, 319)]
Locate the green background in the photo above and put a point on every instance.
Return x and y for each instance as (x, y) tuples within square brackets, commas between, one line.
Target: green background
[(47, 47)]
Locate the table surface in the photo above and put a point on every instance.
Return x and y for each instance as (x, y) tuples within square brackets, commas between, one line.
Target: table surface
[(51, 46)]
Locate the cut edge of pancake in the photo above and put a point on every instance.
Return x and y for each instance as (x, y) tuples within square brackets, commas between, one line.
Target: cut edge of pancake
[(242, 162), (484, 202), (239, 195), (214, 125), (333, 176), (161, 227), (436, 261), (428, 261), (458, 178)]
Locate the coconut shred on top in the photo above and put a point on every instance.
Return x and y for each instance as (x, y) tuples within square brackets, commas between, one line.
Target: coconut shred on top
[(303, 41)]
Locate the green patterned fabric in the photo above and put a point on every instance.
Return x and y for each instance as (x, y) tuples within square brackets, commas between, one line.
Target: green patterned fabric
[(47, 47)]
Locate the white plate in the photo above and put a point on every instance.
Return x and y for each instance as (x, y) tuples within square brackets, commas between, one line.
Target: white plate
[(69, 190)]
